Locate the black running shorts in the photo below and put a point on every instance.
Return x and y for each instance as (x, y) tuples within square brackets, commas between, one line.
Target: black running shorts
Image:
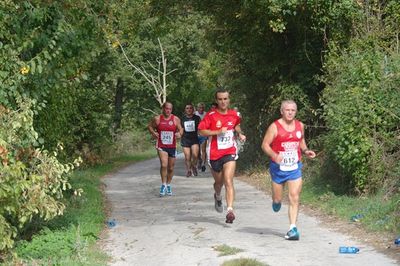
[(217, 165)]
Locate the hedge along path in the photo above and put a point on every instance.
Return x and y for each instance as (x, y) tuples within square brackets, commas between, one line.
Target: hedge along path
[(184, 229)]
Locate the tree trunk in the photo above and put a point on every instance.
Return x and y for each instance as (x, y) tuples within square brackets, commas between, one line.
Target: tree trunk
[(119, 94)]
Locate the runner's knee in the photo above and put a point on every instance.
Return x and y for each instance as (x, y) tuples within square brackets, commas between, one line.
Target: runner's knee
[(294, 198)]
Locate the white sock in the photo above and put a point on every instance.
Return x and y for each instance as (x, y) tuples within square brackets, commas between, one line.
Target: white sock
[(219, 197), (229, 209), (165, 184), (292, 226)]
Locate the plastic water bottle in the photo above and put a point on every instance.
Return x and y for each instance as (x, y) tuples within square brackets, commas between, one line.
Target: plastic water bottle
[(397, 241), (350, 250), (111, 223)]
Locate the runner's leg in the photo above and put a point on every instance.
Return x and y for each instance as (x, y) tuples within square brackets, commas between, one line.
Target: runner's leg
[(294, 187), (228, 173), (218, 182), (195, 153), (171, 165), (204, 152), (277, 192), (186, 152), (163, 156)]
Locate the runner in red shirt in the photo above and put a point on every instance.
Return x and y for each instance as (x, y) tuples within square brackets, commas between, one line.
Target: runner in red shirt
[(220, 125), (283, 143), (165, 128)]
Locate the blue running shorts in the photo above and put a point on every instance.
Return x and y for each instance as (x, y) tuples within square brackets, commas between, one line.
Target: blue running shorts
[(202, 139), (280, 177)]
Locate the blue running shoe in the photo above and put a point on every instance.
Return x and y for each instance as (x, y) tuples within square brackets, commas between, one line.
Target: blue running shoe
[(163, 190), (169, 190), (276, 206), (292, 234)]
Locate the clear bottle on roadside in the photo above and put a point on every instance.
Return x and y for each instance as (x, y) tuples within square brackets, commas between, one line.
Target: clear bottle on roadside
[(349, 250)]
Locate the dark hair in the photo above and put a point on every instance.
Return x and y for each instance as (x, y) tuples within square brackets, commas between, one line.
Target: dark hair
[(220, 90), (189, 104)]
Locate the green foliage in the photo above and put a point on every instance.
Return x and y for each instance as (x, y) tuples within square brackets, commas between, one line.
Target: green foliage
[(32, 179), (72, 233), (70, 239), (272, 50), (54, 53), (361, 110), (379, 212)]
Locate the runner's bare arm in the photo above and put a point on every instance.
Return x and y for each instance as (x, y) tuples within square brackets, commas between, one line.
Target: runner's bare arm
[(152, 127), (303, 145), (239, 131), (266, 144), (208, 132), (179, 132)]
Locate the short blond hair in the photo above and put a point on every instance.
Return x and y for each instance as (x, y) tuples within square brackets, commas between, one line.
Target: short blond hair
[(285, 102)]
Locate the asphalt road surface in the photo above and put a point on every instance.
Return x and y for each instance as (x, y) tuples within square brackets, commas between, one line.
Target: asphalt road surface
[(184, 229)]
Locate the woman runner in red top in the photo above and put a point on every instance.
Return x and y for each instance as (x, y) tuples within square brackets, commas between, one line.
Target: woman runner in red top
[(283, 143), (165, 128)]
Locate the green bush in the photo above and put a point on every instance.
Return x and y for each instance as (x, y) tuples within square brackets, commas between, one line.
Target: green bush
[(32, 179), (361, 108)]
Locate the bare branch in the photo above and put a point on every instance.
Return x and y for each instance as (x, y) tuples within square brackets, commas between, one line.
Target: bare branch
[(157, 81), (149, 110)]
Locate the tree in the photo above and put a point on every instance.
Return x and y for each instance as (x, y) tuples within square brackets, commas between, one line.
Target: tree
[(158, 80)]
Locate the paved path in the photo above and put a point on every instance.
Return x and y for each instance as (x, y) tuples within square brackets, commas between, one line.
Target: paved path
[(183, 229)]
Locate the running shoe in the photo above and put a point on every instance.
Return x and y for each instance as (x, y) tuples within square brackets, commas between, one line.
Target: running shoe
[(292, 234), (189, 174), (163, 190), (276, 206), (169, 190), (203, 168), (218, 204), (230, 216), (195, 171)]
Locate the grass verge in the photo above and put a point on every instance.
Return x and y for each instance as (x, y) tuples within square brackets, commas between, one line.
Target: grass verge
[(71, 239)]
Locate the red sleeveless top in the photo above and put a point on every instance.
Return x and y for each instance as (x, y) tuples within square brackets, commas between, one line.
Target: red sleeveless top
[(287, 142), (166, 133)]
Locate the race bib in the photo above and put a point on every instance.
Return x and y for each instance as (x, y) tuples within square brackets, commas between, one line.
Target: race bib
[(225, 140), (189, 126), (290, 160), (167, 137)]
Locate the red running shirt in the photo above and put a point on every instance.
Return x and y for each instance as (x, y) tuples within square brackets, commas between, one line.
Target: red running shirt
[(166, 133), (288, 144), (222, 144)]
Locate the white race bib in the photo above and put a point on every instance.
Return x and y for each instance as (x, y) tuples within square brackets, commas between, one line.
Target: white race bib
[(189, 126), (225, 140), (167, 137), (290, 160)]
